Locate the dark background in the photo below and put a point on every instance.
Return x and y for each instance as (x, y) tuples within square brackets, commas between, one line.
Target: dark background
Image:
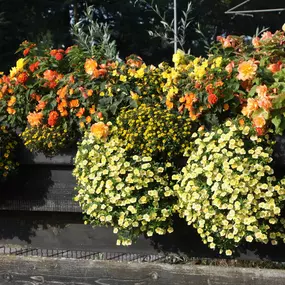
[(48, 22)]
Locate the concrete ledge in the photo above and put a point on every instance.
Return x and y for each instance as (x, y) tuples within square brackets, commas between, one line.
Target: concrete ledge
[(35, 270)]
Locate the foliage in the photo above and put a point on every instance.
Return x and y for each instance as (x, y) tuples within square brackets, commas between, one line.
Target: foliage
[(130, 193), (94, 38), (152, 131), (227, 190), (8, 143)]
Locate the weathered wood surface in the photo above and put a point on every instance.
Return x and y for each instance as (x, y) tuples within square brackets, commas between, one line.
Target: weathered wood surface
[(35, 271)]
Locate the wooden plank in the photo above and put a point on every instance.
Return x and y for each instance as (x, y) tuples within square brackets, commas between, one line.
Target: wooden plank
[(35, 271)]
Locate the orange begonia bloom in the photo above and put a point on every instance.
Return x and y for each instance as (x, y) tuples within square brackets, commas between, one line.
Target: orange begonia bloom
[(275, 67), (74, 103), (92, 110), (252, 105), (11, 111), (265, 103), (41, 105), (50, 75), (169, 104), (62, 92), (64, 113), (100, 130), (261, 90), (90, 92), (259, 121), (34, 66), (247, 70), (22, 77), (88, 119), (12, 101), (80, 113), (229, 67), (35, 119), (52, 118), (90, 66)]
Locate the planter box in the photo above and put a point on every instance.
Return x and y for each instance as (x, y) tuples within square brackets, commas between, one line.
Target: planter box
[(37, 213), (41, 184)]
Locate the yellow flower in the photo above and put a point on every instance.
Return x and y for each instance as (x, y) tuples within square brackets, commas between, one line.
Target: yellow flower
[(247, 70), (176, 58)]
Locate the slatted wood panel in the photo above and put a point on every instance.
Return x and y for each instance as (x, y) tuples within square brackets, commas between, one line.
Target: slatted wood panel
[(33, 271)]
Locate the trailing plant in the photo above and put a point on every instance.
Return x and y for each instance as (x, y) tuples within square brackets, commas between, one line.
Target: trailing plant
[(8, 143), (130, 193), (228, 190)]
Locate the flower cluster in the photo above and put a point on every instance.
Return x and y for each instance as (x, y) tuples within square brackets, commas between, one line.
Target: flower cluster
[(49, 140), (152, 131), (227, 190), (235, 78), (8, 144), (130, 193)]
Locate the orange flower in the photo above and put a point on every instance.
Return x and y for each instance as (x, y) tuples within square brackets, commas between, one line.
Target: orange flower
[(275, 67), (53, 52), (41, 105), (219, 83), (34, 66), (92, 110), (261, 90), (100, 130), (229, 67), (241, 122), (62, 92), (35, 119), (169, 104), (90, 92), (50, 75), (100, 115), (74, 103), (259, 121), (256, 42), (80, 113), (88, 119), (252, 105), (71, 78), (64, 113), (12, 101), (22, 77), (11, 111), (226, 107), (26, 51), (58, 56), (265, 103), (52, 118), (90, 66), (247, 70), (212, 99)]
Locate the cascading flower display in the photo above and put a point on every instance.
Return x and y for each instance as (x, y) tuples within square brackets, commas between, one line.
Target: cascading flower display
[(133, 194), (227, 190)]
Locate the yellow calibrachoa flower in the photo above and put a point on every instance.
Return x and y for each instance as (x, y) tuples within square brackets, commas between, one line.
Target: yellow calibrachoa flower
[(227, 190), (112, 187)]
